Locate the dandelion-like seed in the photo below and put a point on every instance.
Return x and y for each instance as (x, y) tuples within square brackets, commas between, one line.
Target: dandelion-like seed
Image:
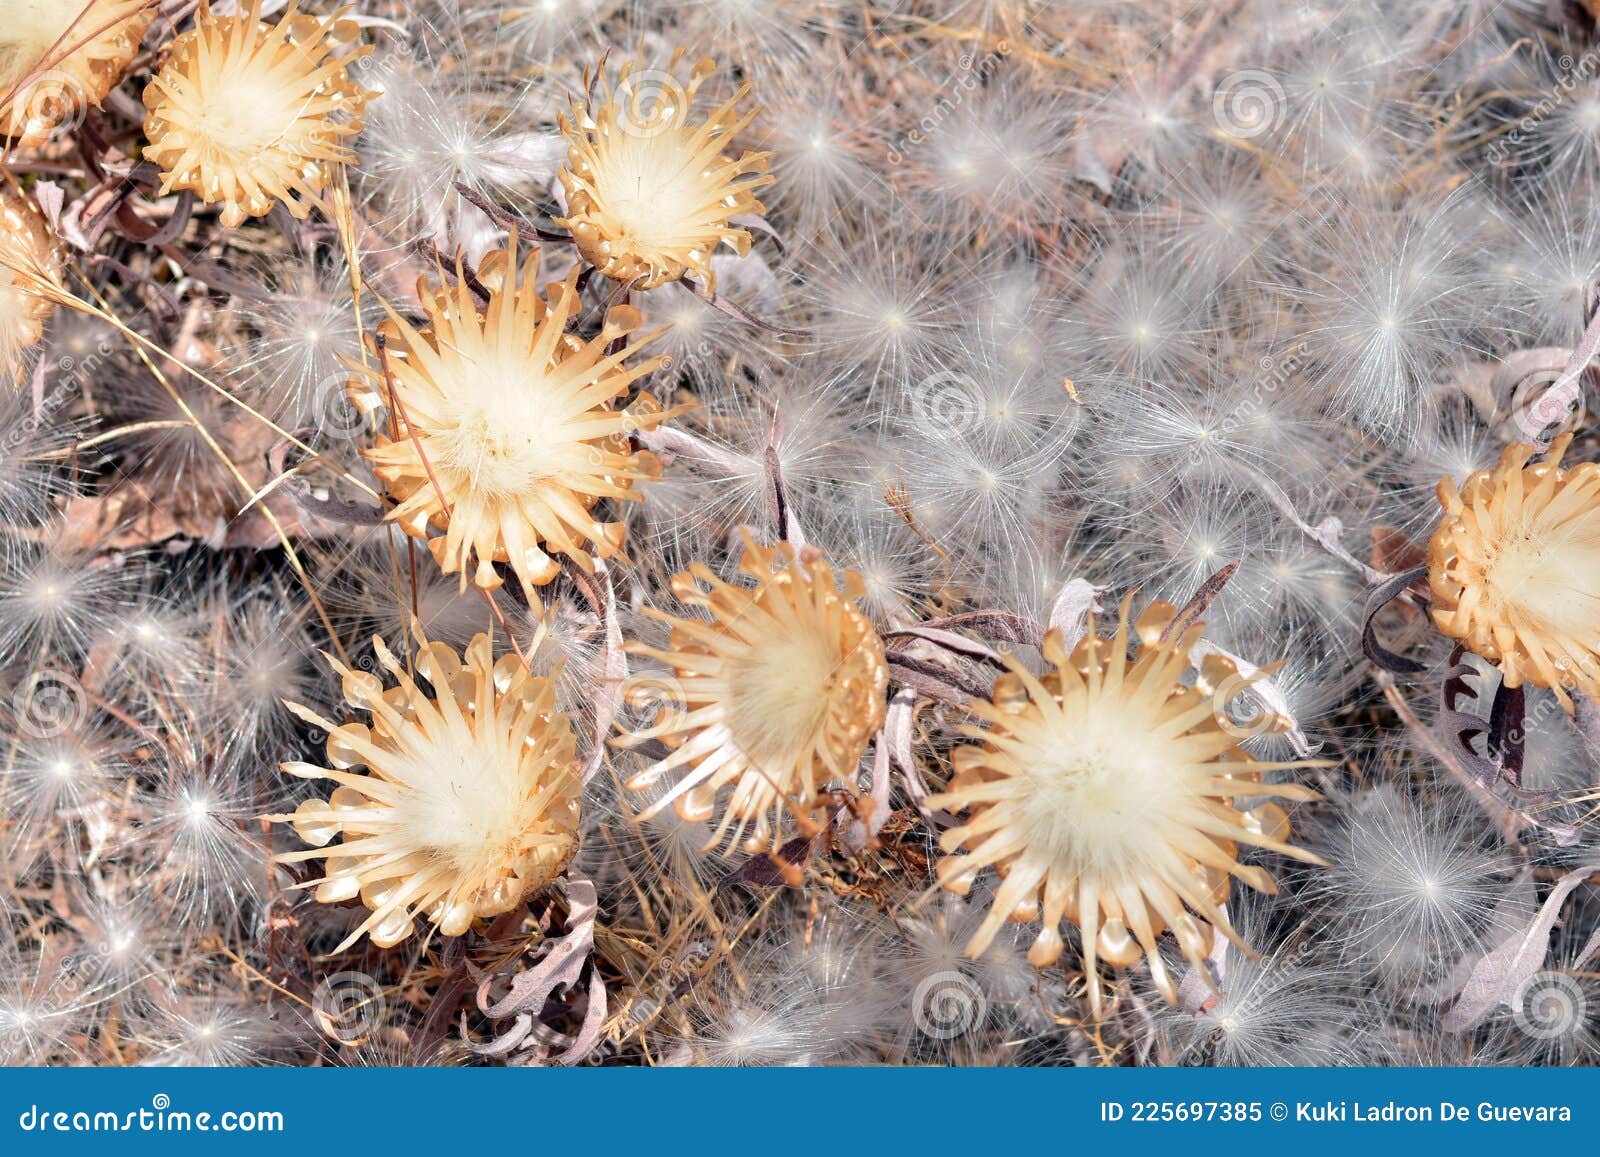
[(504, 429), (650, 196), (777, 695), (1515, 569), (30, 266), (469, 802), (1412, 889), (248, 115), (1111, 794), (58, 57)]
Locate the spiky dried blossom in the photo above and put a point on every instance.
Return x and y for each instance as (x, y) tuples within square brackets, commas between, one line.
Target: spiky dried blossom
[(469, 802), (775, 697), (1109, 793), (60, 57), (1514, 566), (249, 115), (650, 194), (504, 429), (30, 265)]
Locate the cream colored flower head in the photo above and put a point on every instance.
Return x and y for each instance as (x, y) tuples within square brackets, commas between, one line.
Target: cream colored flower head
[(773, 697), (248, 116), (1514, 567), (452, 803), (651, 190), (505, 431), (1112, 794), (59, 58)]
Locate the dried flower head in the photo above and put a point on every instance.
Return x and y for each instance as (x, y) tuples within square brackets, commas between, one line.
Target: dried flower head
[(248, 115), (30, 265), (60, 57), (775, 697), (1515, 568), (470, 799), (503, 427), (651, 195), (1109, 792)]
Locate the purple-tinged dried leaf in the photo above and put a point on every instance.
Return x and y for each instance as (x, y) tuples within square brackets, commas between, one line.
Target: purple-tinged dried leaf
[(1539, 421), (560, 966), (783, 516), (683, 444), (331, 509), (1498, 976), (1194, 610), (769, 870), (997, 625), (613, 676), (1381, 596), (1069, 613), (952, 642), (941, 683), (1264, 690)]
